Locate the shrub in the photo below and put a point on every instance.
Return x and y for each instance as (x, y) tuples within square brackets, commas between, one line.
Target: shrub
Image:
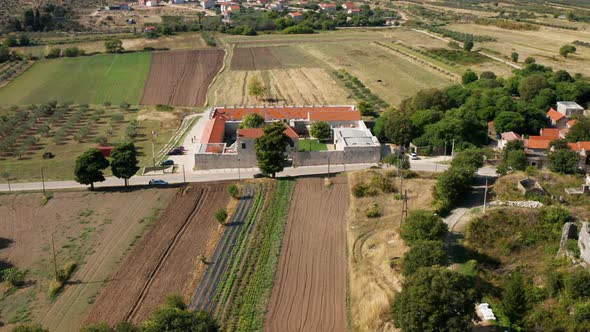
[(582, 313), (363, 190), (106, 104), (175, 301), (234, 190), (101, 140), (30, 328), (221, 215), (423, 225), (124, 106), (383, 183), (374, 211), (554, 214), (423, 254), (577, 283), (14, 276), (118, 117)]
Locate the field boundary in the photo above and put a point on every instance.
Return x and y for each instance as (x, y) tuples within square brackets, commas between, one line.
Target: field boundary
[(214, 80)]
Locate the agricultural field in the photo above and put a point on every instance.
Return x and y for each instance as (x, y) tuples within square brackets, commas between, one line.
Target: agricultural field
[(94, 230), (11, 70), (181, 78), (68, 131), (543, 45), (310, 288), (94, 79), (166, 260), (374, 244)]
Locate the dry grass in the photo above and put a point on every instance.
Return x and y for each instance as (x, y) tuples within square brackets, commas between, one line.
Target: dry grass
[(373, 244)]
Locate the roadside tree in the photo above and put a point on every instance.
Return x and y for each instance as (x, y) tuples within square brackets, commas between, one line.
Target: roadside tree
[(566, 50), (89, 167), (424, 254), (124, 163), (514, 57), (423, 225), (270, 149)]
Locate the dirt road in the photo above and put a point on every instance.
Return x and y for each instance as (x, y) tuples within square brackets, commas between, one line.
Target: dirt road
[(309, 293)]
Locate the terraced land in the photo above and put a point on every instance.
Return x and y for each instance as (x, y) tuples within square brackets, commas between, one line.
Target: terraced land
[(166, 260), (93, 79)]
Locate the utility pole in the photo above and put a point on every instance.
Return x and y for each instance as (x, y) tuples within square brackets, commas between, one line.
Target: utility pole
[(239, 175), (328, 166), (153, 153), (453, 150), (183, 175), (8, 180), (404, 208), (485, 197), (43, 181), (54, 257)]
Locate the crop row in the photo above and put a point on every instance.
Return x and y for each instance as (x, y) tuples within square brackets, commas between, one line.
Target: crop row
[(255, 285), (239, 249), (459, 36), (360, 91), (581, 43), (12, 69), (558, 26)]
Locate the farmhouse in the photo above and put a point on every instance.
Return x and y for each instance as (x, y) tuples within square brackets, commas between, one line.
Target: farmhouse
[(328, 7), (296, 16), (349, 5), (225, 145)]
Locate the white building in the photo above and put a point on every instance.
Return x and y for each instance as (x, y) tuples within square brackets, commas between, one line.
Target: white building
[(569, 108)]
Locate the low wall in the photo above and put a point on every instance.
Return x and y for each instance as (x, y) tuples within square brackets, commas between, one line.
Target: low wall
[(348, 156), (584, 243), (217, 160)]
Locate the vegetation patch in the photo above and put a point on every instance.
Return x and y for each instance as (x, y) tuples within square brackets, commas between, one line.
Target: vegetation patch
[(458, 56)]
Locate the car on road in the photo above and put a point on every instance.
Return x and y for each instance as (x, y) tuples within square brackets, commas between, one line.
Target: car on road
[(259, 175), (156, 182), (414, 156), (181, 148), (167, 162), (175, 151)]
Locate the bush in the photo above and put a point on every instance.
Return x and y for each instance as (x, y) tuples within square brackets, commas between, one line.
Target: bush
[(175, 301), (423, 254), (124, 106), (582, 313), (423, 225), (577, 283), (554, 214), (383, 183), (30, 328), (101, 140), (363, 190), (221, 215), (374, 211), (72, 52), (14, 276), (118, 117), (234, 190)]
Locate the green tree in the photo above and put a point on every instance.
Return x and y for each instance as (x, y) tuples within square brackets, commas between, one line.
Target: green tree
[(53, 53), (113, 46), (4, 53), (563, 161), (124, 106), (14, 276), (579, 131), (320, 130), (516, 160), (175, 319), (577, 283), (509, 121), (423, 225), (396, 126), (468, 45), (566, 50), (252, 120), (175, 301), (89, 167), (234, 190), (11, 41), (124, 163), (221, 215), (256, 87), (471, 159), (468, 77), (24, 40), (98, 327), (270, 148), (514, 57), (529, 60), (435, 299), (424, 254), (530, 86), (487, 75), (365, 107), (30, 328), (514, 303), (72, 52)]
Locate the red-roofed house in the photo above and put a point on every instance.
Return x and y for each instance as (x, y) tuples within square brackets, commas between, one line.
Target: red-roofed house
[(552, 133), (349, 5), (571, 123), (354, 11), (557, 119), (538, 144), (507, 137), (328, 7), (296, 16), (227, 6)]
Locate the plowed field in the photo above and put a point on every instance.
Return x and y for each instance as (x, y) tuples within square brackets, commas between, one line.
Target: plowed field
[(309, 293), (181, 78), (165, 260), (254, 58)]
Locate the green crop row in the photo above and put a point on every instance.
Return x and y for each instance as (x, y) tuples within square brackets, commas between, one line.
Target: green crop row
[(255, 285), (360, 91)]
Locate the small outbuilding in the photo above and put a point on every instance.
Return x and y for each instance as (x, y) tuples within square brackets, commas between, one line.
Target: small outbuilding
[(530, 186)]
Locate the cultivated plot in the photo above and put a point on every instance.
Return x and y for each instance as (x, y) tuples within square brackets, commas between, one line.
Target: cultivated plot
[(254, 58), (93, 229), (166, 259), (94, 79), (309, 293), (181, 78)]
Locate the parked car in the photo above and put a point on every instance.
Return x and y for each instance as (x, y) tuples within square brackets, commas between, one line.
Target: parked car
[(181, 148), (174, 152), (259, 175), (414, 156), (155, 182), (167, 162)]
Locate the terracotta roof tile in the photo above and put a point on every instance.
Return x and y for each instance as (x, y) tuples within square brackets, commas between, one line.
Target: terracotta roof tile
[(214, 131), (257, 132), (538, 142), (571, 123), (550, 133), (510, 136), (555, 115), (333, 113)]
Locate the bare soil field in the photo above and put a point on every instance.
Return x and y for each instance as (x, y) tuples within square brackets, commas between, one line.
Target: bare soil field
[(543, 45), (254, 58), (309, 293), (181, 78), (289, 86), (94, 229), (166, 259), (375, 244)]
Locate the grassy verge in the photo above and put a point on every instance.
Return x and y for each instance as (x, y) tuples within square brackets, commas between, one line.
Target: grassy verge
[(311, 145), (254, 288)]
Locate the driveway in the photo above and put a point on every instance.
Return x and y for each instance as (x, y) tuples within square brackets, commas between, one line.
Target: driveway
[(192, 142)]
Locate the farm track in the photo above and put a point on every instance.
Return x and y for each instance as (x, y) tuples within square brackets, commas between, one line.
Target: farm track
[(204, 297), (309, 292), (165, 261)]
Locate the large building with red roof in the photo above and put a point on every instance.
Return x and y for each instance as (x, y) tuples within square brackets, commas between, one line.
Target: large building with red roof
[(225, 145)]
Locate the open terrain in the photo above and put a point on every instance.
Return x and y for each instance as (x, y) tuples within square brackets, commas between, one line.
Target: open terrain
[(181, 78), (94, 79), (93, 229), (166, 260), (373, 245), (310, 288)]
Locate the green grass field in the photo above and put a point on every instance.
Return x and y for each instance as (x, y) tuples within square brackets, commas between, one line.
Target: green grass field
[(93, 79), (311, 145)]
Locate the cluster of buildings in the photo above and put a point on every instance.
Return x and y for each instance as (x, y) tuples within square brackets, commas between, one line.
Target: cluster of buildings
[(230, 8), (225, 145), (536, 147)]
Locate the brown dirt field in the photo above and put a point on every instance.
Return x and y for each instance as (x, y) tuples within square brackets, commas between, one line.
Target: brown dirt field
[(254, 58), (93, 229), (309, 293), (181, 78), (373, 244), (165, 260)]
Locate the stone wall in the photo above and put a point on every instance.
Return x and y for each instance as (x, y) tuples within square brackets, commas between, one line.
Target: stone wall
[(584, 242), (351, 155)]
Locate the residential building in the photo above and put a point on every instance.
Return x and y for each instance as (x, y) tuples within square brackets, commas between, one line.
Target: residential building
[(354, 11), (296, 16), (507, 137), (557, 119), (229, 6), (349, 5), (275, 6), (208, 4), (224, 144), (569, 108), (328, 7)]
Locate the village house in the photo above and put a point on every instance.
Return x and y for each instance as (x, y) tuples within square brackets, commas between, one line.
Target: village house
[(224, 144), (230, 7), (507, 137), (349, 5), (275, 6), (557, 119), (328, 7), (354, 11), (569, 108), (208, 4), (295, 16)]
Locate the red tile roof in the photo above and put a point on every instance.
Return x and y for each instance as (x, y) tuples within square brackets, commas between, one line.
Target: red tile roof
[(295, 14), (328, 5), (349, 5), (571, 123), (578, 146), (555, 115), (552, 133), (510, 136), (257, 132), (538, 142), (325, 113), (214, 131)]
